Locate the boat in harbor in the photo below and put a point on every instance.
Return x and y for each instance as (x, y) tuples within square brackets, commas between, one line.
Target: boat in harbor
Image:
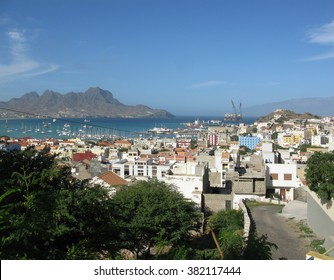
[(160, 130), (195, 124)]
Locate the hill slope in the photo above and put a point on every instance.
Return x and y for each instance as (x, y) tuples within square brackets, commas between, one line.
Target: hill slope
[(322, 106), (281, 115)]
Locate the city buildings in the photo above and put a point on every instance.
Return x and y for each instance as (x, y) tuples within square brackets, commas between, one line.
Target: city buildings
[(209, 169)]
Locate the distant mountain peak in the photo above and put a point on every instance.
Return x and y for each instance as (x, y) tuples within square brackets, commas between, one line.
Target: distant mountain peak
[(31, 94), (94, 102), (95, 90), (50, 92)]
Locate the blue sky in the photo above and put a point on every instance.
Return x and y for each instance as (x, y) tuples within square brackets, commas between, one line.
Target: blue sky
[(190, 57)]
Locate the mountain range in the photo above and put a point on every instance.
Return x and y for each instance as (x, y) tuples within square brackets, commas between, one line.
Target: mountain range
[(322, 106), (95, 102)]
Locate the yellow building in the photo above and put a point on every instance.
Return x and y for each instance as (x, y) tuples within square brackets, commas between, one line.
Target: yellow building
[(292, 139)]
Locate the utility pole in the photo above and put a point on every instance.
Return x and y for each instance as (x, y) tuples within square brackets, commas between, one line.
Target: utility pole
[(217, 243)]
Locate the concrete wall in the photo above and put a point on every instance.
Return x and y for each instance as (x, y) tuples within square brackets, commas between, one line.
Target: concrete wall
[(249, 186), (210, 160), (320, 218), (217, 202)]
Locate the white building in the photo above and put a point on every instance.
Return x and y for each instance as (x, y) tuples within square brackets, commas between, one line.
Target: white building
[(190, 179), (267, 152), (147, 168), (282, 179), (320, 140)]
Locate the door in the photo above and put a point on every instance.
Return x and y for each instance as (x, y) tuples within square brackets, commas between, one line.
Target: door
[(282, 193)]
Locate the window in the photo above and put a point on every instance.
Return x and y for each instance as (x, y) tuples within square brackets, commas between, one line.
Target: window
[(126, 170), (274, 176), (154, 172), (287, 177)]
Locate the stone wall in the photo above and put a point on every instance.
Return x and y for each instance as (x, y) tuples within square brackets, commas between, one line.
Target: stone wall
[(300, 194), (247, 221)]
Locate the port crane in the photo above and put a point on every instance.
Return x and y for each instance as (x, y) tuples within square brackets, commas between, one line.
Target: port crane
[(236, 116)]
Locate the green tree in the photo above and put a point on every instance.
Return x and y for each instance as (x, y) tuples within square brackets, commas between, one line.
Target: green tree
[(231, 243), (303, 147), (254, 130), (227, 220), (258, 247), (234, 138), (45, 213), (228, 225), (193, 144), (152, 214), (244, 150), (274, 135), (320, 174)]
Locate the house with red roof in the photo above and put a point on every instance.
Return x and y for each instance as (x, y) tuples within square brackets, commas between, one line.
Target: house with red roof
[(82, 156), (112, 179), (123, 144)]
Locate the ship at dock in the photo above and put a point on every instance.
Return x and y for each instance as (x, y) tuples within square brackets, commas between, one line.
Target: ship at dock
[(160, 130)]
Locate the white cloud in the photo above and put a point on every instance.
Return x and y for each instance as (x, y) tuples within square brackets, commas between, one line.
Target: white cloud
[(16, 36), (20, 63), (207, 84), (42, 69), (323, 35), (323, 56)]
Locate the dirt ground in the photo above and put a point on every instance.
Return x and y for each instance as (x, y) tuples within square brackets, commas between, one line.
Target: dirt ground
[(285, 232)]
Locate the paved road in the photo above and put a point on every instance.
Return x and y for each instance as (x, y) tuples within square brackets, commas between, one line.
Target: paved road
[(283, 230)]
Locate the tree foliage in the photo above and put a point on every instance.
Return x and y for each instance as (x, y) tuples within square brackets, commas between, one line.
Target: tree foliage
[(152, 214), (231, 243), (228, 225), (244, 150), (234, 137), (47, 214), (258, 247), (303, 147), (227, 220), (320, 174)]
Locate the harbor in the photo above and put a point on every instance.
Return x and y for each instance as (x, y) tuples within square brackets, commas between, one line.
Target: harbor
[(109, 128)]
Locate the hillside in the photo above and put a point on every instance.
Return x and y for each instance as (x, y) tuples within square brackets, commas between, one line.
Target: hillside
[(322, 106), (95, 102), (281, 115)]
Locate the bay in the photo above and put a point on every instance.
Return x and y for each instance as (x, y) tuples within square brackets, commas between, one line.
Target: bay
[(65, 128)]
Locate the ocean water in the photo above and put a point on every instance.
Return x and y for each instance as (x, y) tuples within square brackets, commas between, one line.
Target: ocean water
[(97, 127)]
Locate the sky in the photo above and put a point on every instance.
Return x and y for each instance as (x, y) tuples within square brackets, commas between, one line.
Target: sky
[(190, 57)]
